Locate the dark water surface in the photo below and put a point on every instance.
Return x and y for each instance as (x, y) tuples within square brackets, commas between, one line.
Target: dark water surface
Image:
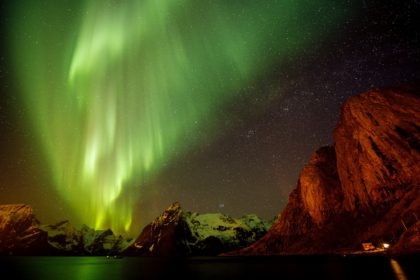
[(283, 267)]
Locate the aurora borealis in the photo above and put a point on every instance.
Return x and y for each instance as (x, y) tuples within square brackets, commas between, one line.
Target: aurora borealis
[(141, 79), (118, 96)]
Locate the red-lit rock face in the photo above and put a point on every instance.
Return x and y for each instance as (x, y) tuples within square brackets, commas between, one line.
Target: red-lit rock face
[(377, 146), (19, 229), (365, 188), (313, 204), (15, 218), (320, 187), (409, 241), (316, 199)]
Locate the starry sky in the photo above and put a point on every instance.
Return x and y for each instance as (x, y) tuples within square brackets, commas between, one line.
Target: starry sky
[(112, 110)]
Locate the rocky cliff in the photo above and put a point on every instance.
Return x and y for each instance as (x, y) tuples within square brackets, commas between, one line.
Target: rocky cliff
[(363, 188), (179, 233), (19, 230), (377, 147)]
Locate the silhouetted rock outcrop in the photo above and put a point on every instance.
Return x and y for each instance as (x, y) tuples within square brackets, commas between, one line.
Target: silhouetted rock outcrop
[(161, 237), (179, 233), (364, 188)]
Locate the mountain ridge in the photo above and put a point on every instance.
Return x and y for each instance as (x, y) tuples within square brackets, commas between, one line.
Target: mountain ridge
[(364, 188), (200, 234)]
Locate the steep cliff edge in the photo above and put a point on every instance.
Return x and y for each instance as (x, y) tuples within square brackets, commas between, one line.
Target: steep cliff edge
[(364, 188), (377, 147)]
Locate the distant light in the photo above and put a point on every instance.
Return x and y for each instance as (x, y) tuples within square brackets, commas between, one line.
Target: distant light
[(385, 245)]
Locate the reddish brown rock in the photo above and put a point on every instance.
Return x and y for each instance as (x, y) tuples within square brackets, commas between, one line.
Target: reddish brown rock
[(15, 218), (319, 187), (316, 200), (366, 188), (19, 232), (377, 146), (391, 224), (409, 241)]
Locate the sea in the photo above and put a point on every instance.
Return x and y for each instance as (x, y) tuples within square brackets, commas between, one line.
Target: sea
[(212, 268)]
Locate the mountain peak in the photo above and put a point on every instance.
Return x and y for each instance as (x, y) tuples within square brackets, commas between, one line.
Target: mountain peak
[(364, 188), (176, 232)]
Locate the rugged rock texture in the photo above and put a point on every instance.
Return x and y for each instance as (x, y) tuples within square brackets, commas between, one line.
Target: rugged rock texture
[(312, 206), (15, 218), (19, 230), (409, 241), (364, 188), (178, 233), (317, 197), (161, 237), (377, 146)]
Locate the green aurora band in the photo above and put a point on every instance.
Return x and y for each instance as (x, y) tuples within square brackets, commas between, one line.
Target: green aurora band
[(117, 89)]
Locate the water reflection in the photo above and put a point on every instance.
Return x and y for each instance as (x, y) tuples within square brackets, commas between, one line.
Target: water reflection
[(285, 267), (63, 268), (399, 272)]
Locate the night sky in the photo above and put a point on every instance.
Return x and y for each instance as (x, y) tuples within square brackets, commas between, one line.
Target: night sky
[(112, 110)]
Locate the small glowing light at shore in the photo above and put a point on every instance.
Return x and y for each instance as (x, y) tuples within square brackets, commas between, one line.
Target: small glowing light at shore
[(385, 245)]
